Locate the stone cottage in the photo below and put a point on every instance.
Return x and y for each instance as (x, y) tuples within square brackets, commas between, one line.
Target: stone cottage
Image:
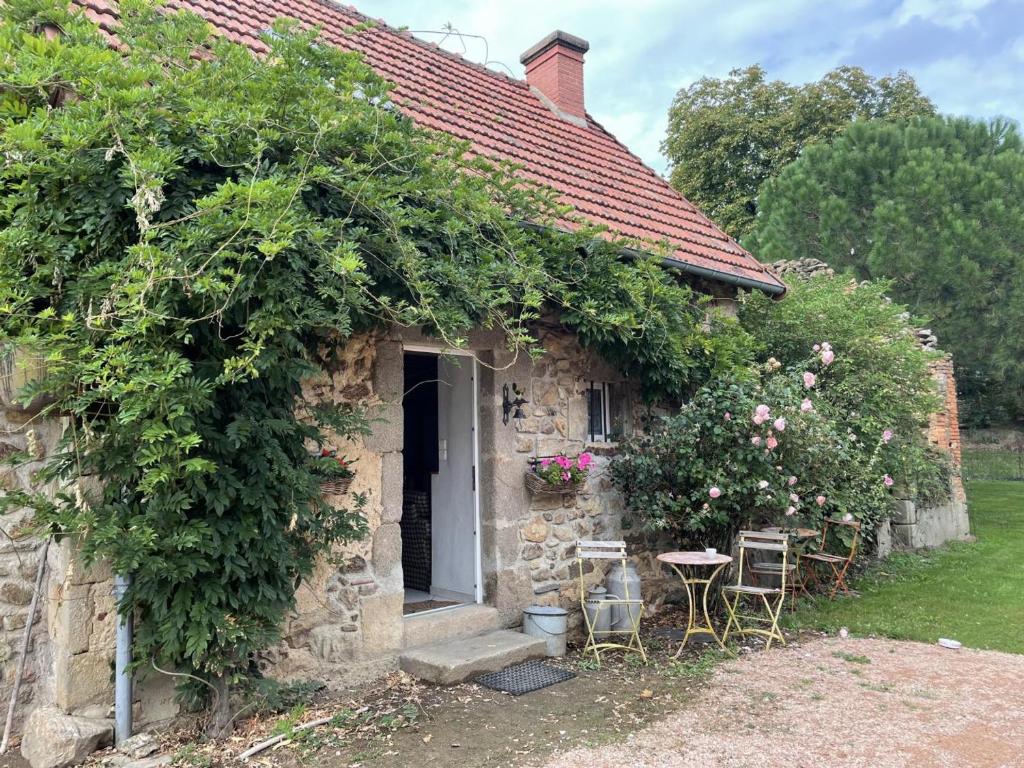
[(457, 545)]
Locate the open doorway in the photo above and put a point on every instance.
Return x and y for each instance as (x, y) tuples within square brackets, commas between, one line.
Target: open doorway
[(440, 557)]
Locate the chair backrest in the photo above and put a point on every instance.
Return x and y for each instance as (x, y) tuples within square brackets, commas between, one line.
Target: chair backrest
[(587, 549), (853, 525), (764, 541)]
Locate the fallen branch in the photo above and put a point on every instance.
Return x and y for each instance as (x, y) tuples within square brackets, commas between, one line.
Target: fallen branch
[(281, 737)]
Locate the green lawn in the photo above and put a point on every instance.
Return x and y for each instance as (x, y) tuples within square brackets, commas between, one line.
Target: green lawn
[(973, 593)]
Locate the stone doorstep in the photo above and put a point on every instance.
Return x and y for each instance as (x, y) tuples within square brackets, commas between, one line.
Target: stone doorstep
[(448, 624), (453, 661)]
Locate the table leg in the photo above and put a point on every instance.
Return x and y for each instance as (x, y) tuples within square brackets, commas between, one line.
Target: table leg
[(693, 587)]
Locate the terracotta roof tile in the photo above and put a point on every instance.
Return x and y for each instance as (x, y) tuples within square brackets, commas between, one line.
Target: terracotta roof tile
[(502, 119)]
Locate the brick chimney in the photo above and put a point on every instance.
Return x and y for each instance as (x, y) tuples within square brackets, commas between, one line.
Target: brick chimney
[(554, 70)]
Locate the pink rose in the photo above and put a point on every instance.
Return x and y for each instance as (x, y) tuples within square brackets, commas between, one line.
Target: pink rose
[(806, 405), (763, 411), (809, 379), (728, 416), (794, 498), (888, 481), (827, 357), (826, 346), (792, 480), (771, 442), (816, 347), (763, 484), (714, 492), (821, 501), (756, 440), (887, 436), (758, 420), (790, 511), (780, 424)]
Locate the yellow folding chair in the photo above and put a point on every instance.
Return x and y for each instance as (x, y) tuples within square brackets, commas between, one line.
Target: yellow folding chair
[(634, 606), (772, 597)]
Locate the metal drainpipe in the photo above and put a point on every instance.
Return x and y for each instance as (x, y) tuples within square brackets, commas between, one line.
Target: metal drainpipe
[(122, 660)]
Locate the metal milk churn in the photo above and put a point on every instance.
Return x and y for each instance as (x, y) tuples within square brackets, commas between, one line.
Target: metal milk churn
[(598, 616), (624, 583)]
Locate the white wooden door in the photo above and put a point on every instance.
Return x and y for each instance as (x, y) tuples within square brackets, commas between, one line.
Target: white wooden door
[(453, 488)]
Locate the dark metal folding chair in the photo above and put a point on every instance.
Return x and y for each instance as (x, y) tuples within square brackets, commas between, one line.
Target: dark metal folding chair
[(838, 564)]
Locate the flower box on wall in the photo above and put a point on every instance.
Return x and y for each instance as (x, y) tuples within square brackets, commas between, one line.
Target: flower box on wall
[(539, 486), (558, 474), (335, 487)]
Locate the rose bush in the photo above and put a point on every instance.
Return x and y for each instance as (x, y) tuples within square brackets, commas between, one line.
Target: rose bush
[(753, 450)]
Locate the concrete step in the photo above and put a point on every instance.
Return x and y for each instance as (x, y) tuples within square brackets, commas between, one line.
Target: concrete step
[(449, 624), (453, 661)]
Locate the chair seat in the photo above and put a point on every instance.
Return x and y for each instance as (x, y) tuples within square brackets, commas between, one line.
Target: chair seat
[(747, 589), (772, 568), (623, 601), (824, 557)]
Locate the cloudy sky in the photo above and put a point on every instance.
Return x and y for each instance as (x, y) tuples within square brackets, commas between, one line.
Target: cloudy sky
[(967, 55)]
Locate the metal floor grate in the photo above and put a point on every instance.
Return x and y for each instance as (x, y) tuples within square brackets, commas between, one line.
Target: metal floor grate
[(523, 678)]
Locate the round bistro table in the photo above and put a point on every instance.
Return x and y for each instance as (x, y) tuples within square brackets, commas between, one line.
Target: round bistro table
[(688, 566)]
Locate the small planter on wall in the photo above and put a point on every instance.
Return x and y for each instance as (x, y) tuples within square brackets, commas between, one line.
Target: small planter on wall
[(18, 369), (539, 486), (336, 487)]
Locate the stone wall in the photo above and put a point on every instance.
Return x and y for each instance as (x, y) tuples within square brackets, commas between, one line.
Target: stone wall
[(19, 559), (913, 526)]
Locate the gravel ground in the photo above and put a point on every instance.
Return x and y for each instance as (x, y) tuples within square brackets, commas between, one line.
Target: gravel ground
[(839, 702)]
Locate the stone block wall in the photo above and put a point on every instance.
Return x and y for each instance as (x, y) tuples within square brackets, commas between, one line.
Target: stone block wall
[(19, 559)]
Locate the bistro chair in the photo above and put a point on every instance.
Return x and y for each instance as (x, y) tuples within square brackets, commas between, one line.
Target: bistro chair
[(633, 607), (839, 564), (771, 597), (769, 571)]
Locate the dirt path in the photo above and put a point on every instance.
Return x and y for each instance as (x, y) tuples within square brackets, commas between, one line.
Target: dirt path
[(842, 703)]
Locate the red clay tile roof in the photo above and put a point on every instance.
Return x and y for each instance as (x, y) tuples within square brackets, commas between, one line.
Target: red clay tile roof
[(502, 118)]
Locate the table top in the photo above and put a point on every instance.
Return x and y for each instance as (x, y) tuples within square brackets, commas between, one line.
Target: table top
[(694, 558), (800, 533)]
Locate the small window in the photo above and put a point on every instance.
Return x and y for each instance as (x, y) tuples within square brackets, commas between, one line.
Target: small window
[(605, 412)]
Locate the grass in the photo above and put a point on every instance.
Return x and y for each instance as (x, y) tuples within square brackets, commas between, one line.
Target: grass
[(973, 593), (993, 464)]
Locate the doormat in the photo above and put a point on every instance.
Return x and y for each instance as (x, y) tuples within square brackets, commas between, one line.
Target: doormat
[(523, 678)]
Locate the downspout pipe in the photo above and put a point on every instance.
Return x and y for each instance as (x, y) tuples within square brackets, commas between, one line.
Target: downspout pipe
[(122, 662)]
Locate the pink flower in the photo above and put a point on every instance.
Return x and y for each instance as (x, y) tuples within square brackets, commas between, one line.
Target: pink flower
[(816, 347), (821, 501), (827, 357), (566, 477), (848, 517), (887, 436), (792, 480), (728, 416), (794, 498), (756, 439), (806, 405), (706, 506), (545, 463), (888, 481), (826, 346), (809, 379), (771, 442), (763, 484), (714, 492), (584, 461), (780, 424), (563, 462), (790, 511), (761, 414)]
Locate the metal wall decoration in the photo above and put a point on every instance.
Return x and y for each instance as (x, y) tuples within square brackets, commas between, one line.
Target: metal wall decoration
[(512, 405)]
